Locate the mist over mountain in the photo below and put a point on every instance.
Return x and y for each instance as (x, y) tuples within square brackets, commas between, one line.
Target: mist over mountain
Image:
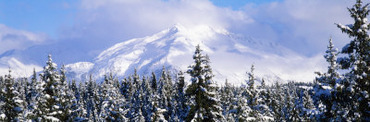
[(231, 56)]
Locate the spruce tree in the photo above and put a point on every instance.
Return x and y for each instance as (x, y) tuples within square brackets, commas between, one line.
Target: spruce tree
[(252, 95), (135, 113), (264, 100), (308, 111), (65, 97), (2, 99), (112, 101), (153, 83), (146, 108), (31, 97), (180, 98), (357, 62), (21, 92), (90, 99), (329, 86), (157, 115), (202, 90), (48, 104), (244, 112), (12, 103)]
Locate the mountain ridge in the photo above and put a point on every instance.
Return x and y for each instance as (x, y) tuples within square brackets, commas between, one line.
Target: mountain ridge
[(173, 48)]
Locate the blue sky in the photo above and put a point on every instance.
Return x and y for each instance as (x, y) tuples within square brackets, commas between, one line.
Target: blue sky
[(44, 16), (47, 16)]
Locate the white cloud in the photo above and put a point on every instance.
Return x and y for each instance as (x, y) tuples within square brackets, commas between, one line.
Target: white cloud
[(304, 26), (105, 23), (13, 39), (301, 25), (18, 39)]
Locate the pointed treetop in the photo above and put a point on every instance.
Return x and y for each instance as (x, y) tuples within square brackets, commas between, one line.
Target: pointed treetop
[(251, 78), (198, 50), (163, 68), (180, 74), (9, 76), (331, 45), (359, 13), (135, 72), (63, 69), (49, 58), (9, 70), (252, 68)]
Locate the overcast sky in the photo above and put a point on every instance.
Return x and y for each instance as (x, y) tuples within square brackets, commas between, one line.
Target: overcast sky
[(94, 25)]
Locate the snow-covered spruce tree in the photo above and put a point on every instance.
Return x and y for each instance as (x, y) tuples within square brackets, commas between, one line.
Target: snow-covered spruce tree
[(252, 95), (65, 97), (225, 97), (181, 108), (31, 97), (112, 102), (126, 91), (290, 113), (202, 90), (165, 91), (135, 113), (90, 99), (96, 101), (153, 83), (157, 115), (21, 92), (308, 110), (244, 112), (298, 106), (326, 82), (251, 92), (264, 100), (162, 91), (229, 102), (357, 62), (2, 100), (277, 102), (146, 108), (125, 88), (48, 102), (39, 100), (74, 88), (12, 103), (81, 111)]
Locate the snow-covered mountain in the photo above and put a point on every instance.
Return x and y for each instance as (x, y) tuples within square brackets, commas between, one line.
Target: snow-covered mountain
[(18, 68), (231, 56)]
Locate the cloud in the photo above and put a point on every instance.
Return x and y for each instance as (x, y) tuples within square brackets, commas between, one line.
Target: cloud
[(100, 24), (12, 39), (301, 25)]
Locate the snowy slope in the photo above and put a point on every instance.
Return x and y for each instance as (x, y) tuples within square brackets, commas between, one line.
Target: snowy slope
[(231, 56), (18, 68)]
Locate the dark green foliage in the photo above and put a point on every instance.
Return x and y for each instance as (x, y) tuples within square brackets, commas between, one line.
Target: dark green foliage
[(202, 90)]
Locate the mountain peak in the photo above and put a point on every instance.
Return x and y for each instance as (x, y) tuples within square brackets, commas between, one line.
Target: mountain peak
[(177, 27), (173, 48)]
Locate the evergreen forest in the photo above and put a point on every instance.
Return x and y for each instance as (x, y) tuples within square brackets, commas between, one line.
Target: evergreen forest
[(340, 94)]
